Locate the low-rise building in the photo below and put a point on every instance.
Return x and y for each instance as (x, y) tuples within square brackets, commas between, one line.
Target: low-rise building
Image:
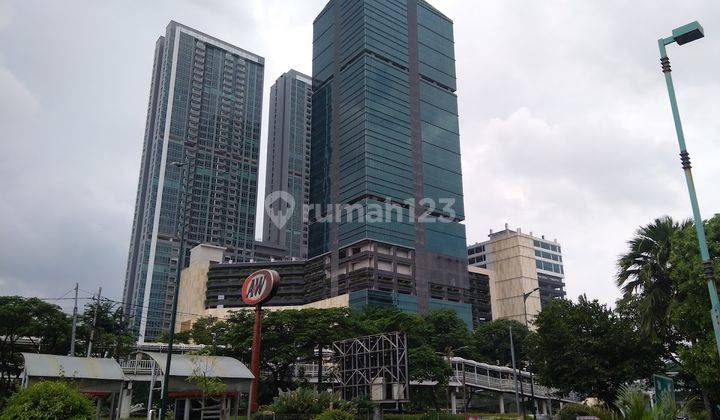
[(210, 287)]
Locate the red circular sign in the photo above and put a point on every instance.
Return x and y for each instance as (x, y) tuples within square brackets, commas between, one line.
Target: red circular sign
[(260, 286)]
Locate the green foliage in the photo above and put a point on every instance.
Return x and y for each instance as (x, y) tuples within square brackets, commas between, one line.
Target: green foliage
[(572, 411), (634, 405), (646, 268), (446, 333), (28, 317), (665, 289), (306, 401), (335, 414), (48, 400), (202, 374), (430, 337), (432, 415), (587, 348), (426, 416), (491, 342), (427, 365), (111, 337)]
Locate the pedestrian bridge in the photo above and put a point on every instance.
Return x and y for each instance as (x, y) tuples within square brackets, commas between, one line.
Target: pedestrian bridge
[(474, 374), (471, 374)]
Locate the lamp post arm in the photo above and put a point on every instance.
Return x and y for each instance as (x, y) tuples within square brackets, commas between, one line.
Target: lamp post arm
[(685, 160)]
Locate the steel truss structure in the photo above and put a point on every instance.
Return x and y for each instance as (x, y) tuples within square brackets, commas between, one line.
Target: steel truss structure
[(373, 365)]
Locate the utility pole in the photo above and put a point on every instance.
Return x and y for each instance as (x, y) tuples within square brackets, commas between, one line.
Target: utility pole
[(530, 367), (92, 331), (512, 356), (74, 324), (120, 335), (178, 270)]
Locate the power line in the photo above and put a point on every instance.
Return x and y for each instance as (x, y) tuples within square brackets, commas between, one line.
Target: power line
[(137, 306)]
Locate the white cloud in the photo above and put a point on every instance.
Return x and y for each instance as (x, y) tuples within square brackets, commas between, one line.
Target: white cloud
[(565, 126)]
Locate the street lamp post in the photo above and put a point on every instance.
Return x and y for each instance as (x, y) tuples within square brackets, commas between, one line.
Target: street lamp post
[(532, 382), (515, 374), (683, 35), (173, 316)]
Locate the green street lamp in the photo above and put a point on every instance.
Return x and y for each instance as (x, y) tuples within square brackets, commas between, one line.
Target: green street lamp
[(683, 35)]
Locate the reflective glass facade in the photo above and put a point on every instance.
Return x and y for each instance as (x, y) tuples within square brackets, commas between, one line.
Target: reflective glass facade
[(385, 129), (205, 109), (288, 160)]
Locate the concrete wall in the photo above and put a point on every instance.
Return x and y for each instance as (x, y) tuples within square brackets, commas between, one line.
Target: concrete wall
[(341, 301), (193, 284), (513, 263)]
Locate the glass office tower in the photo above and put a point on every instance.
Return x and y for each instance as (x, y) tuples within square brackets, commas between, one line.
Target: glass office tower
[(204, 109), (385, 132), (288, 160)]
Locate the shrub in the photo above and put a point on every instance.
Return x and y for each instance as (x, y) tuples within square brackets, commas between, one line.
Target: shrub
[(48, 400), (432, 415), (571, 411), (306, 401), (335, 414)]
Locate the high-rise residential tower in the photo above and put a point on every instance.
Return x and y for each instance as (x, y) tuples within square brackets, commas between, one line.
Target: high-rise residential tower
[(204, 111), (385, 133), (288, 160)]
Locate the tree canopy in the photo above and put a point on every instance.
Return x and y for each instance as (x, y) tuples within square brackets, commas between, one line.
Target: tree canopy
[(587, 348), (662, 277)]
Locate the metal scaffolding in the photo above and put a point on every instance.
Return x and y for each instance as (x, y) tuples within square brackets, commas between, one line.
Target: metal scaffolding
[(373, 365)]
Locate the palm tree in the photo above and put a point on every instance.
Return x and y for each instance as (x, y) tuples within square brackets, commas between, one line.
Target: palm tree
[(644, 271)]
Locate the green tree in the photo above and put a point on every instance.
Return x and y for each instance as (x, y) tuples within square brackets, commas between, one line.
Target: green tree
[(203, 377), (491, 342), (689, 312), (426, 365), (320, 328), (644, 274), (666, 293), (589, 349), (48, 400), (377, 320), (447, 333), (111, 336), (28, 318)]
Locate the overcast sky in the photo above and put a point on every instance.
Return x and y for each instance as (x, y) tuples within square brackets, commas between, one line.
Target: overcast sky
[(565, 125)]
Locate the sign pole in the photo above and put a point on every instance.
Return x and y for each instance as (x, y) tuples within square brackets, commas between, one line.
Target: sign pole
[(258, 287), (255, 360)]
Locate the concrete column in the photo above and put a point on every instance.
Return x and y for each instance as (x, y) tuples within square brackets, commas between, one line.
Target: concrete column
[(543, 407), (550, 407), (186, 411), (126, 402), (453, 402), (97, 408), (502, 403)]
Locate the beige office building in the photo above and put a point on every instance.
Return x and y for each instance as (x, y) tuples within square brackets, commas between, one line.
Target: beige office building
[(527, 272)]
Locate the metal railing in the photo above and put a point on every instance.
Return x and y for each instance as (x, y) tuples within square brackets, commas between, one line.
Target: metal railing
[(137, 367), (485, 380)]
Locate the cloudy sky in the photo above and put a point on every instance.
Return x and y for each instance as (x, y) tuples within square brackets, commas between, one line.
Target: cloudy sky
[(565, 125)]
